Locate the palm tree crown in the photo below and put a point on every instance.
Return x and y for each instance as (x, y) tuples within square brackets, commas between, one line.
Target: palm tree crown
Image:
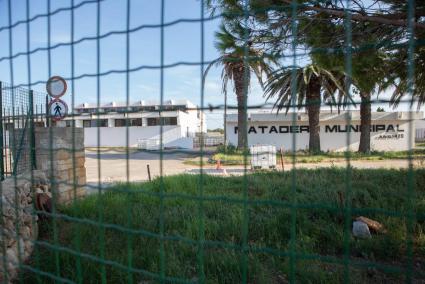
[(304, 86), (238, 59)]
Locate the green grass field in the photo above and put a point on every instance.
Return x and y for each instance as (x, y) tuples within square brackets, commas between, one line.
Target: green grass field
[(237, 158), (320, 226)]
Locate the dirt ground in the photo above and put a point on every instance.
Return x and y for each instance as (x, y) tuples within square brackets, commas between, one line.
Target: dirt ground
[(113, 165)]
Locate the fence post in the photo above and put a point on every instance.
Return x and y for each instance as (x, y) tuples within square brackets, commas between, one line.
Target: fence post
[(32, 131), (149, 172), (47, 111), (1, 131)]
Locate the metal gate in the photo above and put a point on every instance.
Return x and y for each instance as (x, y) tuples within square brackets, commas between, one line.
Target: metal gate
[(21, 111)]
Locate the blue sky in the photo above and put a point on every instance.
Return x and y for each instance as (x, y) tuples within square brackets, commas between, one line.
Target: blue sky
[(182, 43)]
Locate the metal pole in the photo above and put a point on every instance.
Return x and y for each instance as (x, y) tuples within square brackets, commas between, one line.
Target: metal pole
[(47, 111), (32, 131), (1, 131), (281, 159), (149, 172)]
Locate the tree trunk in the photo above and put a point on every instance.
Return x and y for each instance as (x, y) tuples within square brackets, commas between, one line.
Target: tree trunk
[(313, 101), (241, 95), (242, 123), (365, 121)]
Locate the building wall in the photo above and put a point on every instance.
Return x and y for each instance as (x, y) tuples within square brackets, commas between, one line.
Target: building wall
[(191, 123), (420, 124), (396, 140), (116, 136), (420, 130)]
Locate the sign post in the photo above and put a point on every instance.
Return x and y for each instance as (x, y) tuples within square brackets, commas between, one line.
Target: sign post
[(56, 87)]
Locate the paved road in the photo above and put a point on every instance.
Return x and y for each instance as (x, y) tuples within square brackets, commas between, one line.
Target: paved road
[(113, 165)]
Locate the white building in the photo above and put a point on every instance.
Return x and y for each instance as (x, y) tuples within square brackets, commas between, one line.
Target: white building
[(180, 119), (420, 130), (389, 130)]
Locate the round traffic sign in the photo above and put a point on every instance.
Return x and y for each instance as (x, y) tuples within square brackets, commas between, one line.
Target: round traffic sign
[(56, 86), (58, 109)]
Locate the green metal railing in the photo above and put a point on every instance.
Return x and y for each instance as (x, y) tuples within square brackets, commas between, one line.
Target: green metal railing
[(18, 113)]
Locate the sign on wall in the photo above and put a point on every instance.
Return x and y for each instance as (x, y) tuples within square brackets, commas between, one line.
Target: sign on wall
[(281, 129), (385, 135)]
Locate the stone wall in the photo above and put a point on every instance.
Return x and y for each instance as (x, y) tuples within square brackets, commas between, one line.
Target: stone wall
[(63, 162), (19, 225)]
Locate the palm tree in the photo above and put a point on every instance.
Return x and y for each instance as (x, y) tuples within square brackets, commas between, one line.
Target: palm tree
[(289, 86), (368, 73), (399, 82), (238, 60)]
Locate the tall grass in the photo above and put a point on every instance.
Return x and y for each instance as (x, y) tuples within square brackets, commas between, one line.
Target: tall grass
[(133, 213)]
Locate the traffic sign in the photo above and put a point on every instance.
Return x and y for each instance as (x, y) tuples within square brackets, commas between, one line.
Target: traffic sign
[(58, 109), (56, 87)]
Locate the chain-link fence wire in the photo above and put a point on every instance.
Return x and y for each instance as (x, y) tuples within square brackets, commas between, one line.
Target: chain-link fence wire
[(20, 109), (202, 251)]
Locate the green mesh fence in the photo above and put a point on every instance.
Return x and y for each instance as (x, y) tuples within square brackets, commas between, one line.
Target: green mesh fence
[(291, 224), (21, 110)]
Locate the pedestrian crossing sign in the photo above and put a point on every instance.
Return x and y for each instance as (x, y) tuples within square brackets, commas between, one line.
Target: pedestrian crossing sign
[(58, 109)]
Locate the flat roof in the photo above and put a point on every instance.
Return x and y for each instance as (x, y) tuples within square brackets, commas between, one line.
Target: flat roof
[(326, 116), (114, 104), (170, 113)]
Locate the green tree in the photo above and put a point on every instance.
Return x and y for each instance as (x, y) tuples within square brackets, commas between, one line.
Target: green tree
[(305, 86), (238, 60), (400, 83), (366, 72), (377, 30)]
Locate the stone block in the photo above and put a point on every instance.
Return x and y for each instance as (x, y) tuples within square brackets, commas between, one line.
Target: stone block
[(60, 154), (79, 172)]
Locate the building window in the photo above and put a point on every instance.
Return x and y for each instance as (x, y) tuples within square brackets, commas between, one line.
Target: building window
[(119, 122), (68, 123), (136, 122), (110, 110), (149, 108), (170, 120), (153, 121), (165, 121), (95, 123), (101, 122), (8, 126)]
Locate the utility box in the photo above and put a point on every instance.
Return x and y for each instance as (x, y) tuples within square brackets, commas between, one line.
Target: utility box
[(263, 156), (149, 144)]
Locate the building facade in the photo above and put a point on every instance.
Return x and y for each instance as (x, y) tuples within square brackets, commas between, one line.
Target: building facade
[(180, 120), (390, 131), (420, 130)]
